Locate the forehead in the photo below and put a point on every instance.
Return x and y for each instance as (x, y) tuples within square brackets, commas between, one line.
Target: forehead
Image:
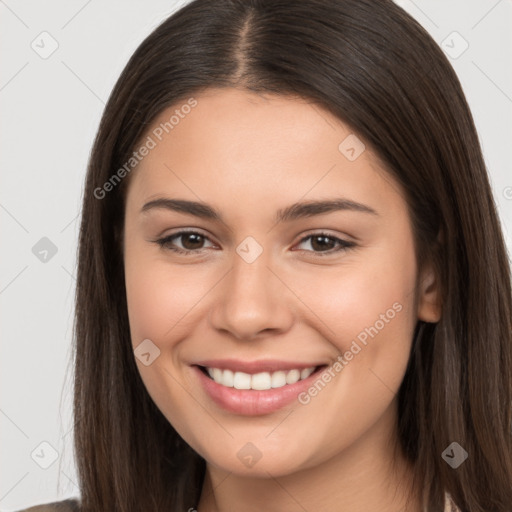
[(242, 147)]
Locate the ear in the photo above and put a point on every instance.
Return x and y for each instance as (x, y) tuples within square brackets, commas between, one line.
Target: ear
[(429, 303), (429, 296)]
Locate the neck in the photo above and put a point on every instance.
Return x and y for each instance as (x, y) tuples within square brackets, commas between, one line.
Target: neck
[(361, 478)]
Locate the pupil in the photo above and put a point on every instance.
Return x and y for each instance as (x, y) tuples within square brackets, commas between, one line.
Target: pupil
[(322, 244), (192, 235)]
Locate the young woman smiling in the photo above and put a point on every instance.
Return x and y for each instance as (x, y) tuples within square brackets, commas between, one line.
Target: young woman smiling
[(324, 200)]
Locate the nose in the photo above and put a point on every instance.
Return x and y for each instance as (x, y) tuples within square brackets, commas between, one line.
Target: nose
[(252, 301)]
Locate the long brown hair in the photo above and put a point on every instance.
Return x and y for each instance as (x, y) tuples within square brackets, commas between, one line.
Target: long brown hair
[(375, 68)]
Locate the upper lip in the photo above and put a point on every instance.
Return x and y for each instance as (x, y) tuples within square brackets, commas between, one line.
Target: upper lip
[(252, 367)]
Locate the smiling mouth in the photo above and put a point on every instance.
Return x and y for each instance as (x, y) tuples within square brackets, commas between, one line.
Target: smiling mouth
[(259, 381)]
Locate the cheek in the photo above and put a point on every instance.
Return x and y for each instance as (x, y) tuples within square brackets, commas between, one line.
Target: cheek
[(353, 297), (365, 309), (150, 305), (160, 297), (160, 300)]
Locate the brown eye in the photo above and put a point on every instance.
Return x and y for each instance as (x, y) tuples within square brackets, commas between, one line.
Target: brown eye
[(325, 243), (191, 242)]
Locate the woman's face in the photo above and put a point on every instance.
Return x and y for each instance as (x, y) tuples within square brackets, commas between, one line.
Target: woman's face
[(264, 293)]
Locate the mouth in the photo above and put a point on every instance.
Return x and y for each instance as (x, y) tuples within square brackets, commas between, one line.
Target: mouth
[(260, 381), (260, 389)]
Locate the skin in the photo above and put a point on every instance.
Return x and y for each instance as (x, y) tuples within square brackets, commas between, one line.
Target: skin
[(249, 155)]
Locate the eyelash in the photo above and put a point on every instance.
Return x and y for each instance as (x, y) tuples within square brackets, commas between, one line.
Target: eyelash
[(343, 245)]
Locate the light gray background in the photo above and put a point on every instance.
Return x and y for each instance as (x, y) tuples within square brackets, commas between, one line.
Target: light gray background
[(50, 112)]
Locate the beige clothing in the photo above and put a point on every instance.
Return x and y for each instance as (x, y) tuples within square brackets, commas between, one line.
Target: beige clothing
[(449, 505)]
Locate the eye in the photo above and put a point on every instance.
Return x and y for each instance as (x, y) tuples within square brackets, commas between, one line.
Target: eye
[(192, 242), (325, 242)]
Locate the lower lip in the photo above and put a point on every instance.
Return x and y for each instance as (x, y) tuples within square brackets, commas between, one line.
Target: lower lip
[(250, 402)]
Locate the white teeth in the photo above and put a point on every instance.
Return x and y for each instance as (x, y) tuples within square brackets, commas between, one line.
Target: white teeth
[(304, 374), (278, 379), (292, 376), (261, 381), (227, 377), (258, 381), (242, 381)]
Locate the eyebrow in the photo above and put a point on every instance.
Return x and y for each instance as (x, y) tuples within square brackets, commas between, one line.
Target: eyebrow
[(292, 212)]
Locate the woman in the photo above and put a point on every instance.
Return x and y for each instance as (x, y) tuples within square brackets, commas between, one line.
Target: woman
[(340, 336)]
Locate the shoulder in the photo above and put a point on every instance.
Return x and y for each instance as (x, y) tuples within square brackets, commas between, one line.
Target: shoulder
[(70, 505)]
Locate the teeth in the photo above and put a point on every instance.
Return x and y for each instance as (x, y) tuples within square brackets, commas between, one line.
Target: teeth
[(304, 374), (292, 376), (261, 381), (258, 381), (242, 381), (227, 377), (278, 379)]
